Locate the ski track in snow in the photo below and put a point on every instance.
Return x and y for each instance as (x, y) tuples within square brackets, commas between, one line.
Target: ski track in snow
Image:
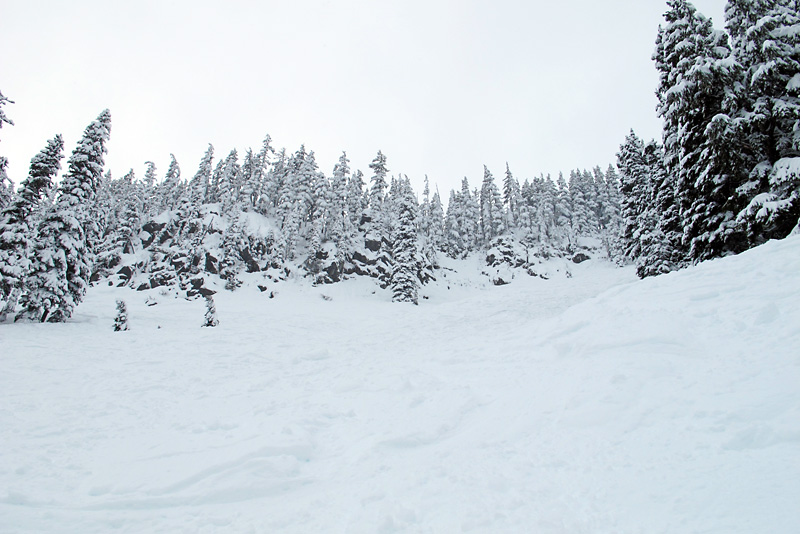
[(586, 405)]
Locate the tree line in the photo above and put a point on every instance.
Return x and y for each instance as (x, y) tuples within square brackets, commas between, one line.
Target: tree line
[(724, 178)]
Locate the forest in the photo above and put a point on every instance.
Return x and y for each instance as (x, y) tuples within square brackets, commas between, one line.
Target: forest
[(725, 177)]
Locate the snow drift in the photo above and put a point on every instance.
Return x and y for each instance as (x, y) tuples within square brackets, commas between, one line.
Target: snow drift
[(582, 405)]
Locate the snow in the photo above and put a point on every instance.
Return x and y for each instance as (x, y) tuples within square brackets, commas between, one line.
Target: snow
[(590, 404), (794, 83)]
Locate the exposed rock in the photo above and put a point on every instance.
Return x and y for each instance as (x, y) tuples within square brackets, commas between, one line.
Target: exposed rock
[(125, 274), (372, 245), (212, 264)]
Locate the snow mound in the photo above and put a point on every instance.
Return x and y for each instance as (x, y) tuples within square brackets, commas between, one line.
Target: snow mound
[(582, 405)]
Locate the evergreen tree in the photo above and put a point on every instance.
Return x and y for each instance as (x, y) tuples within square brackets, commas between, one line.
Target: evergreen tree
[(273, 184), (437, 221), (469, 217), (149, 199), (425, 210), (405, 281), (258, 189), (62, 258), (697, 101), (766, 44), (511, 194), (378, 187), (169, 192), (6, 185), (355, 199), (229, 182), (636, 188), (121, 319), (563, 211), (490, 219), (581, 220), (210, 318), (339, 221), (234, 241), (17, 223), (377, 219), (453, 242)]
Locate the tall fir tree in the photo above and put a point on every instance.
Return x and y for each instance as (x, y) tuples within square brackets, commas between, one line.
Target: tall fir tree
[(17, 224), (62, 257), (636, 188), (766, 44), (697, 101), (511, 198), (405, 268)]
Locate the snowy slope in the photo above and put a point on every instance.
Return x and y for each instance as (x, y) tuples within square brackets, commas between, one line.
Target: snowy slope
[(559, 406)]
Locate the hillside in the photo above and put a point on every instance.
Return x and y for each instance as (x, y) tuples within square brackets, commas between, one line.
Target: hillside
[(594, 403)]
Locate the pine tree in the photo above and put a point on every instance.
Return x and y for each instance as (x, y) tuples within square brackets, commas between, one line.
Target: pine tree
[(233, 242), (62, 257), (766, 44), (563, 211), (169, 191), (636, 188), (425, 211), (355, 199), (121, 319), (210, 318), (6, 185), (338, 219), (488, 215), (259, 192), (511, 198), (377, 220), (697, 101), (130, 205), (378, 187), (17, 223), (581, 220), (469, 217), (453, 242), (405, 281), (149, 199), (229, 182), (273, 185)]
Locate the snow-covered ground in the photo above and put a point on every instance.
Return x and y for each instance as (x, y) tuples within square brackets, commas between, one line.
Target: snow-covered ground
[(595, 404)]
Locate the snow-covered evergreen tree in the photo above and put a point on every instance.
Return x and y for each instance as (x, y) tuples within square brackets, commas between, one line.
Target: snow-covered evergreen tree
[(636, 185), (169, 191), (338, 220), (210, 318), (18, 223), (492, 219), (355, 199), (121, 319), (696, 101), (61, 262), (405, 269), (511, 198), (437, 221), (766, 44), (378, 185)]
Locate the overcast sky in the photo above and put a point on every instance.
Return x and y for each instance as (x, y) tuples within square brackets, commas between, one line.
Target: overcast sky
[(441, 87)]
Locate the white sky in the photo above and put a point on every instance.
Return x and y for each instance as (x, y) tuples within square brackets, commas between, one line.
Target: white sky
[(441, 86)]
